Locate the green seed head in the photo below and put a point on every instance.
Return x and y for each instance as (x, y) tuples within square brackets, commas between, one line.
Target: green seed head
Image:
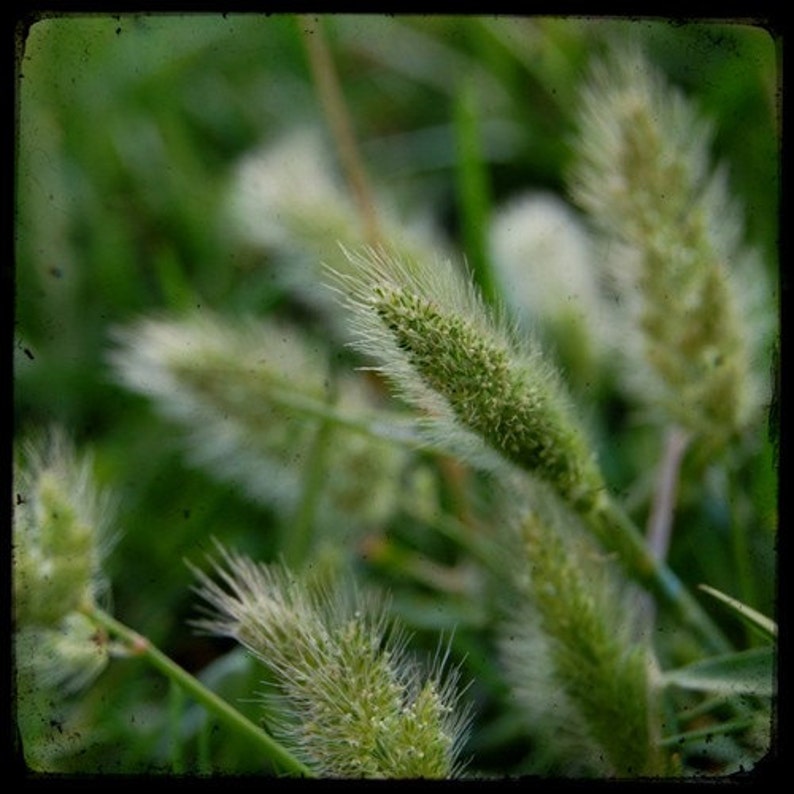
[(60, 536), (593, 679), (354, 705), (697, 301), (60, 542), (447, 354)]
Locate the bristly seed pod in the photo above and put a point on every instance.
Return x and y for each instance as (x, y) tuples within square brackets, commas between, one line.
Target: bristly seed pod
[(353, 703), (483, 390), (61, 538), (698, 299)]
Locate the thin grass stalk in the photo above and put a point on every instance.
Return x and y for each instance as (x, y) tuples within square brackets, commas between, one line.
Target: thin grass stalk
[(326, 81), (660, 525), (473, 190), (142, 647), (610, 524), (176, 707), (298, 535)]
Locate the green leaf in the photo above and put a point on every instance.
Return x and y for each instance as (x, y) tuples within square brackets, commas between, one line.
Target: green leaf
[(748, 672), (754, 619), (473, 189), (707, 734)]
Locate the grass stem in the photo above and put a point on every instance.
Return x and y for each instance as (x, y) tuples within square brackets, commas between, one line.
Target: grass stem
[(619, 534), (138, 645), (660, 525), (326, 81)]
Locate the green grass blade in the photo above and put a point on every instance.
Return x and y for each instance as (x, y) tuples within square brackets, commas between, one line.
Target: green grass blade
[(767, 627), (473, 190), (748, 672)]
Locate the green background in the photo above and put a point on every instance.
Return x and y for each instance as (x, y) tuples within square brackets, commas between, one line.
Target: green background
[(128, 129)]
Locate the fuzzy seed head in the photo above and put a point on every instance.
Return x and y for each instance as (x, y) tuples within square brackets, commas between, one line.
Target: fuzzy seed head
[(591, 660), (286, 198), (446, 354), (237, 389), (68, 656), (692, 291), (60, 532), (354, 704), (61, 538)]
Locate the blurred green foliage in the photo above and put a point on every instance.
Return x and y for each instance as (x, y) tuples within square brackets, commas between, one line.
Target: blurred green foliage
[(128, 129)]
